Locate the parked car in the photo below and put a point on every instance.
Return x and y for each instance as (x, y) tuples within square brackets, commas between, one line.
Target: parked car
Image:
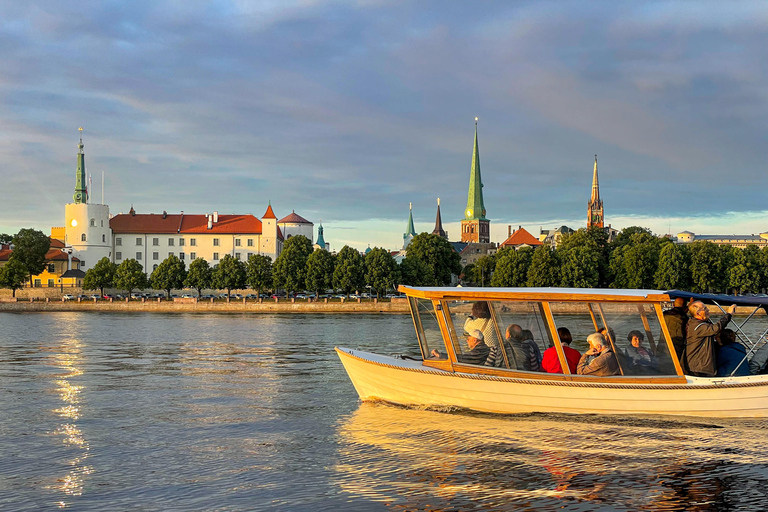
[(186, 296), (301, 296), (107, 296), (251, 296), (119, 297), (68, 297), (236, 296), (83, 297), (95, 296)]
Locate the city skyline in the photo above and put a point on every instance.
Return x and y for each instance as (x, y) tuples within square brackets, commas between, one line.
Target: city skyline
[(350, 120)]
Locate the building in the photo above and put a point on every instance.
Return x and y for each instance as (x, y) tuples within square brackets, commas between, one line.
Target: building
[(475, 227), (439, 231), (294, 224), (553, 237), (473, 251), (61, 267), (151, 238), (520, 238), (595, 213), (740, 241)]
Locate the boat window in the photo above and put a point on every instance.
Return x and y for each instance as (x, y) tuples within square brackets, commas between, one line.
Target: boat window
[(528, 333), (637, 337), (427, 328), (576, 317), (469, 316)]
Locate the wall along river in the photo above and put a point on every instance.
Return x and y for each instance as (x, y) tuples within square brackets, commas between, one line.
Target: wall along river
[(254, 412)]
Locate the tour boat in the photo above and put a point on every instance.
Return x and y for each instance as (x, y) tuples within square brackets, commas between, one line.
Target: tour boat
[(443, 317)]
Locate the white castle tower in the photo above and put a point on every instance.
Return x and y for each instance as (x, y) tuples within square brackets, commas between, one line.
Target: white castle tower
[(86, 229)]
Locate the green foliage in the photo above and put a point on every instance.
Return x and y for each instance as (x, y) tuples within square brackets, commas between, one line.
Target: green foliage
[(229, 274), (259, 272), (199, 275), (29, 248), (579, 256), (673, 271), (320, 267), (380, 270), (484, 267), (169, 275), (290, 268), (5, 238), (706, 267), (744, 275), (634, 263), (100, 276), (13, 275), (348, 273), (130, 276), (467, 275), (512, 267), (438, 254), (543, 270), (414, 272), (625, 235)]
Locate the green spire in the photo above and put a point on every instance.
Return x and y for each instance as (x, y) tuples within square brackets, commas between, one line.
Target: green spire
[(475, 206), (410, 230), (81, 193), (320, 239)]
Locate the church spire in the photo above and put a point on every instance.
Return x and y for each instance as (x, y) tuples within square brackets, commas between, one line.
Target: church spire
[(410, 230), (475, 205), (439, 223), (320, 238), (595, 213), (81, 192)]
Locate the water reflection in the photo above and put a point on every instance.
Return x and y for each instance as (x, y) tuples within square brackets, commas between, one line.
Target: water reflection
[(416, 459), (67, 357)]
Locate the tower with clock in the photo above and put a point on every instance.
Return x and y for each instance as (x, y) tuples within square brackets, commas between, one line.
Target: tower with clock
[(475, 227), (595, 215)]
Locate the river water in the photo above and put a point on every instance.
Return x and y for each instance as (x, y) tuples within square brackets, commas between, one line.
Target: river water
[(254, 412)]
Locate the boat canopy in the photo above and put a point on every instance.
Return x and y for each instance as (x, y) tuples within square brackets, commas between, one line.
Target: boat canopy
[(721, 299), (545, 294)]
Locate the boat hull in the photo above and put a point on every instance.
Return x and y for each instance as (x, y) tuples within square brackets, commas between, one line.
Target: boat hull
[(409, 383)]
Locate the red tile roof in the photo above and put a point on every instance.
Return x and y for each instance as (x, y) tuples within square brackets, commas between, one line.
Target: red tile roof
[(520, 237), (53, 254), (184, 224), (269, 214), (294, 218)]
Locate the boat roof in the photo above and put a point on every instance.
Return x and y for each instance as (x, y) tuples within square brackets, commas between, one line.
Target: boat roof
[(722, 299), (545, 294)]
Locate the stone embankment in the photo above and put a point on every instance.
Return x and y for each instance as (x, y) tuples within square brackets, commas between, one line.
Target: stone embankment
[(399, 306)]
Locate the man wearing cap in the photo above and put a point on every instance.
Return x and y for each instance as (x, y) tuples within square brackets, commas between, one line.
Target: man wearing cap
[(478, 350)]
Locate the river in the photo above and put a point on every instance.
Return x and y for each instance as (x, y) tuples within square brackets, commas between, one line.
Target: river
[(230, 412)]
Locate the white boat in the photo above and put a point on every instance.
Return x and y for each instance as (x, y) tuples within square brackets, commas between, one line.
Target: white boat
[(440, 317)]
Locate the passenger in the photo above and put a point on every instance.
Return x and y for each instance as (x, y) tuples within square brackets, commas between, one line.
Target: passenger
[(517, 356), (730, 355), (522, 339), (700, 356), (478, 350), (676, 320), (527, 338), (759, 363), (639, 357), (604, 365), (481, 319), (550, 363)]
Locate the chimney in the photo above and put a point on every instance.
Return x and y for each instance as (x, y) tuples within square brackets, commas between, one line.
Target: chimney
[(165, 214), (210, 220), (509, 230), (215, 216)]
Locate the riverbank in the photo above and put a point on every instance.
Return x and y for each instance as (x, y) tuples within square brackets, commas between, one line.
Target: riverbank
[(396, 306)]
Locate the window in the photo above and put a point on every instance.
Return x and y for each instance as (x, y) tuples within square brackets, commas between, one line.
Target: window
[(249, 255), (170, 242), (237, 242), (193, 255), (250, 242), (102, 223), (138, 241), (428, 328), (215, 256), (155, 255), (50, 283), (93, 223), (118, 241), (82, 263), (154, 267), (38, 284), (193, 242), (237, 255), (181, 242), (215, 242), (155, 241), (82, 237), (118, 255), (51, 268), (181, 256), (103, 238), (138, 256), (170, 253)]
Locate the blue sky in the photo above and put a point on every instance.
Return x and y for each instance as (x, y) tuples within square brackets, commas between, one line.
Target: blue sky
[(348, 111)]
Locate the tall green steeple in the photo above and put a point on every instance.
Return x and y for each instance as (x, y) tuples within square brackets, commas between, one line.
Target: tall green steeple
[(81, 192), (320, 238), (410, 231), (475, 206)]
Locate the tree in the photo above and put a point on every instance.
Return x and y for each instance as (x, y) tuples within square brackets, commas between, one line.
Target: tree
[(438, 254), (744, 273), (414, 272), (468, 274), (634, 264), (484, 267), (199, 275), (5, 238), (13, 275), (320, 267), (543, 270), (290, 268), (130, 276), (512, 267), (30, 247), (380, 270), (706, 271), (100, 276), (169, 275), (229, 274), (579, 256), (348, 273), (258, 275), (674, 270)]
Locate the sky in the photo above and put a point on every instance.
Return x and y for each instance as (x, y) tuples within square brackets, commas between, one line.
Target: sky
[(346, 112)]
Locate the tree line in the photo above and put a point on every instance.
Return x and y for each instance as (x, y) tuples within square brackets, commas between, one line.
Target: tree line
[(635, 259)]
